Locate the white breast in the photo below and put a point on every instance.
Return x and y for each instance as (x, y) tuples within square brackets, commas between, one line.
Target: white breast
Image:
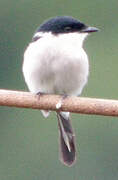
[(56, 64)]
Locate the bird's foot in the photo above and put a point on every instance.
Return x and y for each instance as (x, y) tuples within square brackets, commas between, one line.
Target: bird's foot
[(59, 104)]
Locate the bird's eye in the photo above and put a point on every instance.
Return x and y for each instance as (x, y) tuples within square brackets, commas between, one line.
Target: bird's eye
[(67, 28)]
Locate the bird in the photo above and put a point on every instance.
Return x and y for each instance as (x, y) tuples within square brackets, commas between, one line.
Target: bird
[(55, 62)]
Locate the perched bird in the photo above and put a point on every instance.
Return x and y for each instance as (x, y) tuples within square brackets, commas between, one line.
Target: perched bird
[(56, 63)]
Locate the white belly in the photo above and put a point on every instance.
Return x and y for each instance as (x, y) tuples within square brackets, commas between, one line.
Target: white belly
[(53, 69)]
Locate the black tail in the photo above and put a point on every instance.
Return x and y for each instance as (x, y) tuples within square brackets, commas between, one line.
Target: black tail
[(67, 139)]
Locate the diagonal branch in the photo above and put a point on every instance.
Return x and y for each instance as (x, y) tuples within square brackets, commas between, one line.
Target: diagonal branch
[(48, 102)]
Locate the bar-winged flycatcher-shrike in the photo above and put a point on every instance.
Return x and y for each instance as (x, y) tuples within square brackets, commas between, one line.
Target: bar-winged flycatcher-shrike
[(56, 63)]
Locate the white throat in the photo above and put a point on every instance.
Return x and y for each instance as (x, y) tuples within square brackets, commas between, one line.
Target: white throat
[(73, 38)]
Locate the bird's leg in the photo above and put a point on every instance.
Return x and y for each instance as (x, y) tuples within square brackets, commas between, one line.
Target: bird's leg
[(59, 104), (44, 112), (40, 94)]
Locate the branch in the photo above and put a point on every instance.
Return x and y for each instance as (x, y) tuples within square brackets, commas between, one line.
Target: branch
[(48, 102)]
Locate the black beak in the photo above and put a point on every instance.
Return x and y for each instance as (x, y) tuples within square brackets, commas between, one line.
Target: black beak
[(88, 29)]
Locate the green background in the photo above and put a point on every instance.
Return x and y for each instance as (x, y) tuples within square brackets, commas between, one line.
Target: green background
[(28, 142)]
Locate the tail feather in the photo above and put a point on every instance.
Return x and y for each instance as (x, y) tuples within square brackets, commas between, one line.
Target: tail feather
[(45, 113), (67, 139)]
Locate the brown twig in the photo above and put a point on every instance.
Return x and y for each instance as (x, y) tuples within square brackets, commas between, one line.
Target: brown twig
[(48, 102)]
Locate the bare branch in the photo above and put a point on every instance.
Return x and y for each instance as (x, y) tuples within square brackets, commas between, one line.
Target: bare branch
[(48, 102)]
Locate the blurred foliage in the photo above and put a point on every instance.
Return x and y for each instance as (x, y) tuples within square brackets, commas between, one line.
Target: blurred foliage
[(28, 142)]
